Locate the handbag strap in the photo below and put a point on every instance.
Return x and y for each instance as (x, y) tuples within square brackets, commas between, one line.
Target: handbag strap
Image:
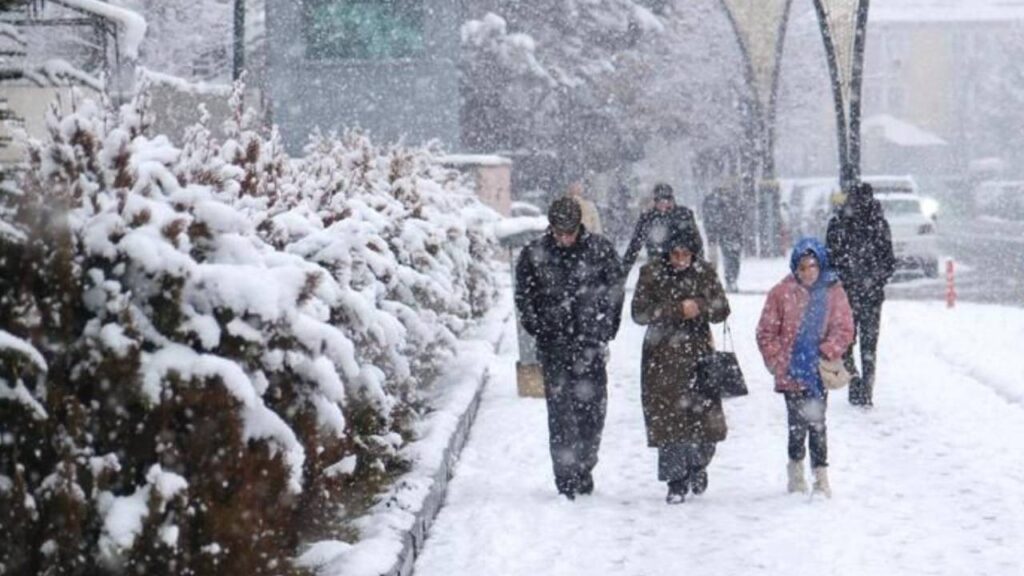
[(727, 337)]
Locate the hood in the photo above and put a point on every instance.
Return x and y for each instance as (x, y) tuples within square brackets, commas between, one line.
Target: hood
[(828, 275)]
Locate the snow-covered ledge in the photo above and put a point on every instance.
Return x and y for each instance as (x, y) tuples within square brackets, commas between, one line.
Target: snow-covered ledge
[(131, 23), (394, 532)]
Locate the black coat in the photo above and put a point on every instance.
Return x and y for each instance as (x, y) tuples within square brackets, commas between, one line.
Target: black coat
[(569, 296), (654, 230), (723, 217), (860, 248)]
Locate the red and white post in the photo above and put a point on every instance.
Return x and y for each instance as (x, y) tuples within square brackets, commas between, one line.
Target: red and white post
[(950, 284)]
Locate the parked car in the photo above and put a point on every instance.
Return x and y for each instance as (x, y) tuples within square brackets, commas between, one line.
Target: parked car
[(806, 205), (914, 235), (809, 202), (882, 185)]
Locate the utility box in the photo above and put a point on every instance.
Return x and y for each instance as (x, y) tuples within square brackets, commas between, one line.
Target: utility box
[(514, 234)]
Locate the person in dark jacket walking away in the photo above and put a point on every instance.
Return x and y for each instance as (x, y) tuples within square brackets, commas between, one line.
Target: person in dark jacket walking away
[(677, 296), (806, 317), (569, 292), (655, 226), (860, 247), (723, 223)]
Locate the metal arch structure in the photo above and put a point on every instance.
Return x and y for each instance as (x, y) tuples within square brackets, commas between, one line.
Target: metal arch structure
[(843, 25), (760, 28)]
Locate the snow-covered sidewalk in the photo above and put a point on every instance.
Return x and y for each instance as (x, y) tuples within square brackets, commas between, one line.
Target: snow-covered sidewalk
[(929, 482)]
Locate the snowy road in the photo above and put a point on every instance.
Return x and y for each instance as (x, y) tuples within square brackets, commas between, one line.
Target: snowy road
[(929, 482)]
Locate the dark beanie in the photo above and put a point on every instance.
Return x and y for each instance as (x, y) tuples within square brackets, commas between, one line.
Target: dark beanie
[(662, 191), (684, 239), (564, 215)]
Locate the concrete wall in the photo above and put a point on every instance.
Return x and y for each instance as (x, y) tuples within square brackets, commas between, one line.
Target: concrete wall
[(412, 98), (175, 107), (492, 178), (30, 103)]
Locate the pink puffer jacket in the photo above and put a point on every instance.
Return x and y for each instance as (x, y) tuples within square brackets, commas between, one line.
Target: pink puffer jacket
[(780, 321)]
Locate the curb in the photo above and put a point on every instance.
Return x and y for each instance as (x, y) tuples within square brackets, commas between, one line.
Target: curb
[(414, 538)]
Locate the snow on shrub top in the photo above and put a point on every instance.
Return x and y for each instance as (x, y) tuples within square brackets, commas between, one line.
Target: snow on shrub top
[(313, 299)]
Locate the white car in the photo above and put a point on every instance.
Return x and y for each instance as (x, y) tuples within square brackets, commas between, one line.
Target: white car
[(914, 236)]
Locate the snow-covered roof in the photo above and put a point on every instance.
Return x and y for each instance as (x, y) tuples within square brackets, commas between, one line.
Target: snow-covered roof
[(910, 11), (187, 86), (474, 160), (132, 24), (901, 132)]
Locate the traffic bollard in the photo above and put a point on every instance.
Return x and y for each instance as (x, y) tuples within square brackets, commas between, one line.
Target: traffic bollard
[(950, 284)]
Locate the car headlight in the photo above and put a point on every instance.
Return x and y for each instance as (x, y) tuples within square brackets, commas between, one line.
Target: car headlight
[(929, 206)]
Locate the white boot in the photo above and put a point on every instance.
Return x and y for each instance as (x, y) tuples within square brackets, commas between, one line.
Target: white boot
[(795, 468), (821, 485)]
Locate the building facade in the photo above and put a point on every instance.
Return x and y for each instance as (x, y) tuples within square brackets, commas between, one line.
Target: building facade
[(389, 68)]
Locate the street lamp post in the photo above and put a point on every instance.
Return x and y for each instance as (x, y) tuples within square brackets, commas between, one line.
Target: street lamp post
[(843, 26), (760, 27)]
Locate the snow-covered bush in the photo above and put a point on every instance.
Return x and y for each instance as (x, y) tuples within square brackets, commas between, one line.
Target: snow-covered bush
[(205, 350)]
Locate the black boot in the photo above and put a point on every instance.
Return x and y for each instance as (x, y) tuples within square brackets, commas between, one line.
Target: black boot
[(566, 487), (676, 492), (585, 484), (857, 392), (699, 481)]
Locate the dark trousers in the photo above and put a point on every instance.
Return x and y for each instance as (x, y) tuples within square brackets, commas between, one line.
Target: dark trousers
[(806, 418), (576, 390), (679, 460), (731, 250), (867, 315)]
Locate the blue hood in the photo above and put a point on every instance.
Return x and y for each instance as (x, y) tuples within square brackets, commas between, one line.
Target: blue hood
[(828, 275)]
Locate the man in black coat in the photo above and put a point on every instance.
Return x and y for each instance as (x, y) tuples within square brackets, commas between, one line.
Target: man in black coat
[(569, 294), (666, 220), (723, 222), (860, 247)]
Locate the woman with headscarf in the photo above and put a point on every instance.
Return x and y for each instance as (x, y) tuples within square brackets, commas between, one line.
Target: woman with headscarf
[(806, 317), (677, 296)]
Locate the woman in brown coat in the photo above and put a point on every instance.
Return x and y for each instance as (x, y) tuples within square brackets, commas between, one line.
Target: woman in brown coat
[(677, 297)]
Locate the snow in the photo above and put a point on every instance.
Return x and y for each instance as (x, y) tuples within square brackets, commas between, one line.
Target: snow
[(133, 25), (925, 483), (9, 341), (900, 132), (515, 226), (260, 422), (473, 160), (57, 72), (123, 522), (382, 532), (910, 11), (186, 86)]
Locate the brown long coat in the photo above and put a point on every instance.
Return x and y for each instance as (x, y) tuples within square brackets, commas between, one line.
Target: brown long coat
[(673, 412)]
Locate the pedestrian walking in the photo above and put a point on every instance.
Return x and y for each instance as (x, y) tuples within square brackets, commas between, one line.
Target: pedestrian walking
[(655, 226), (569, 296), (860, 247), (591, 217), (724, 225), (805, 318), (677, 296)]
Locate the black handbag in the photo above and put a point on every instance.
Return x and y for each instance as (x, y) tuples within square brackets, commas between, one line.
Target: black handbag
[(718, 373)]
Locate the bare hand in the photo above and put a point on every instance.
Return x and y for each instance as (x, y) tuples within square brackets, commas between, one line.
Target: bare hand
[(690, 309)]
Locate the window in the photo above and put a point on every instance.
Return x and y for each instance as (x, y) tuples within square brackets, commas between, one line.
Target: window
[(363, 29), (900, 207)]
